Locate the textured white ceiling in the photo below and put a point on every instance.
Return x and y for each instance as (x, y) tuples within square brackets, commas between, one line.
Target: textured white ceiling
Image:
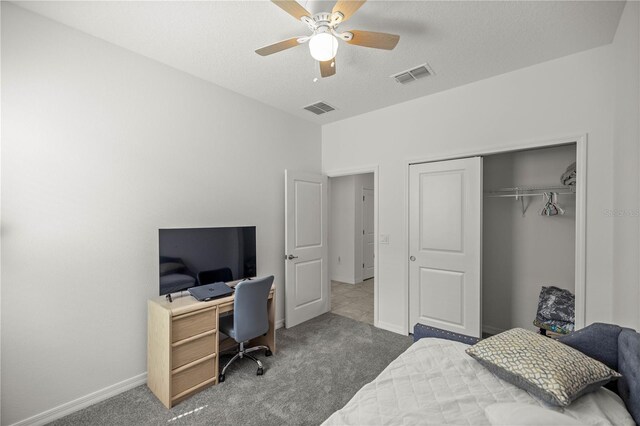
[(462, 41)]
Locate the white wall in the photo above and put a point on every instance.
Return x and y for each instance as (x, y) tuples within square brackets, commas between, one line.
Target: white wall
[(626, 141), (345, 216), (101, 147), (342, 229), (567, 96), (522, 254)]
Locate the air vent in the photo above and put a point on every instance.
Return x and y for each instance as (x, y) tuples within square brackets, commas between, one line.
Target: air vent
[(413, 74), (319, 108)]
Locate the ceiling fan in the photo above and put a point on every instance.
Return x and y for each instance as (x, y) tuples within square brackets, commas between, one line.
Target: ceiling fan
[(323, 43)]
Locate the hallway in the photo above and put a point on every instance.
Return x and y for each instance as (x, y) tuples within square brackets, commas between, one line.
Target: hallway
[(353, 301)]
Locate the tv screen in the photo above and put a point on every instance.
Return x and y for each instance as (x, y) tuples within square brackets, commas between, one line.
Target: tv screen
[(198, 256)]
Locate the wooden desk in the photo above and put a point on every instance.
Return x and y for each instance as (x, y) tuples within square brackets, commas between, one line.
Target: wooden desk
[(183, 344)]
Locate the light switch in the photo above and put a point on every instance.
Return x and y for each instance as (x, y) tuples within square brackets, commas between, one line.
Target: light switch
[(384, 238)]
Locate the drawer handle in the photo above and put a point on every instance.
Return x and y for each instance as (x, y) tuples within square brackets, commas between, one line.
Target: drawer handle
[(190, 314), (193, 364), (192, 338), (188, 391)]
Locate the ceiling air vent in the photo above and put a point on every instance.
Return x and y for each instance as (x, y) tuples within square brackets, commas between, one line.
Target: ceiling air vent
[(413, 74), (319, 108)]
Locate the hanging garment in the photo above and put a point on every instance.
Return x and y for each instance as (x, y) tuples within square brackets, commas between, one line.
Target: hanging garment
[(551, 207)]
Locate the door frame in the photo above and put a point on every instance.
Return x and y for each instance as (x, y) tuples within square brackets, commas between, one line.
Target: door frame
[(362, 214), (359, 171), (580, 140)]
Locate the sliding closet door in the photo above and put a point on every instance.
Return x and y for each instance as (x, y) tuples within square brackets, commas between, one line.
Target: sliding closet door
[(445, 241)]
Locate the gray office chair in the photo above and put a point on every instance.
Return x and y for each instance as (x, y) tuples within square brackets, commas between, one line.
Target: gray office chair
[(250, 319)]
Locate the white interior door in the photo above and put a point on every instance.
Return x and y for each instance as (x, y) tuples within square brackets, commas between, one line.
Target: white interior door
[(445, 241), (306, 273), (368, 239)]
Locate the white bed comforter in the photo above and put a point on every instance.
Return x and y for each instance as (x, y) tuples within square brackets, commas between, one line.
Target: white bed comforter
[(436, 382)]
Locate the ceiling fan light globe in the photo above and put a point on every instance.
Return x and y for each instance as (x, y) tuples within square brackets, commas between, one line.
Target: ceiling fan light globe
[(323, 47)]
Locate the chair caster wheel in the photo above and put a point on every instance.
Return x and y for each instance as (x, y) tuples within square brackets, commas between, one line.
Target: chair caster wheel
[(221, 378), (268, 353), (260, 372)]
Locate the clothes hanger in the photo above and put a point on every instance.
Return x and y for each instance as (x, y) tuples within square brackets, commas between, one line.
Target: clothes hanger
[(551, 207)]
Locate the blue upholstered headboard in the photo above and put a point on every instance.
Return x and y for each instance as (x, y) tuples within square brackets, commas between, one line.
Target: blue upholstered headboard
[(618, 348), (615, 346), (629, 364)]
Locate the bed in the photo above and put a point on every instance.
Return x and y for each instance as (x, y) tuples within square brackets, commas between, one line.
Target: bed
[(436, 382)]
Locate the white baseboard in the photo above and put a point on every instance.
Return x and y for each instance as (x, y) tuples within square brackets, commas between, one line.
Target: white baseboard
[(344, 281), (93, 398), (391, 327), (83, 402), (489, 329)]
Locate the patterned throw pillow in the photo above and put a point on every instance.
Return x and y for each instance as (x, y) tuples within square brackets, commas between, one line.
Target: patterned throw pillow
[(544, 367)]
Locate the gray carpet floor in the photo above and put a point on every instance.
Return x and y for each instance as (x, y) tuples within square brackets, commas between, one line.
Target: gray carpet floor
[(319, 365)]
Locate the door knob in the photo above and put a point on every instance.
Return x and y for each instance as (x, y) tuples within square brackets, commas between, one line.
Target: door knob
[(412, 258), (291, 257)]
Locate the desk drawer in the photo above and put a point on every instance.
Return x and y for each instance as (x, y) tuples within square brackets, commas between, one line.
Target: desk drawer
[(193, 323), (193, 376), (192, 349)]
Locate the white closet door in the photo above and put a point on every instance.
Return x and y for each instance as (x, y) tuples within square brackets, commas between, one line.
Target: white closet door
[(306, 275), (445, 241)]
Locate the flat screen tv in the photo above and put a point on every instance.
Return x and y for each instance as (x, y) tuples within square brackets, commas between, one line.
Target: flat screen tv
[(198, 256)]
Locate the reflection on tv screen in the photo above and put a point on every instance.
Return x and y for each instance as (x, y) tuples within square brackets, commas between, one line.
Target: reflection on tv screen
[(198, 256)]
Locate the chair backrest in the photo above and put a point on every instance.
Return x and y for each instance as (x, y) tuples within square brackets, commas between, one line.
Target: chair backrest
[(222, 275), (250, 316)]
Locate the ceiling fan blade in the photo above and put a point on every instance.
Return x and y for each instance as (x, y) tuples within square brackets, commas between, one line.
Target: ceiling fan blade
[(277, 47), (292, 7), (328, 68), (347, 7), (375, 40)]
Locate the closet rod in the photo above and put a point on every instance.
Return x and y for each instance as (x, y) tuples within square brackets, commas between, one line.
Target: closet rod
[(538, 194), (529, 191)]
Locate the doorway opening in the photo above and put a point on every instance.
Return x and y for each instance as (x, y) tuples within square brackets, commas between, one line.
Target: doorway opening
[(352, 244), (527, 242)]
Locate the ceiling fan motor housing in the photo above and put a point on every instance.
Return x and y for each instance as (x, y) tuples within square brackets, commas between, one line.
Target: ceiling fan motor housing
[(328, 21), (323, 18)]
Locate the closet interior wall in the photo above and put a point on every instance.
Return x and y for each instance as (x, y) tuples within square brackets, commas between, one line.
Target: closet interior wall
[(522, 254)]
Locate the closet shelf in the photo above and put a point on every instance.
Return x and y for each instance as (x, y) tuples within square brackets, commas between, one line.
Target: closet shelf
[(529, 191)]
